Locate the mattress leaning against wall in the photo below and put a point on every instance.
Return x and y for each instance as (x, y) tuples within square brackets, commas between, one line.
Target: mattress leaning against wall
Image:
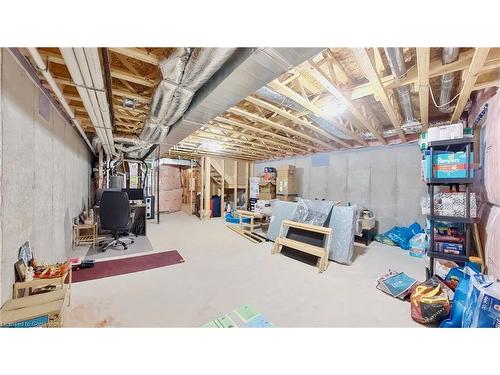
[(343, 224)]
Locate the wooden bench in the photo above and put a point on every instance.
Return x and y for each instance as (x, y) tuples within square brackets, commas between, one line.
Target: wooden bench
[(242, 214), (321, 252)]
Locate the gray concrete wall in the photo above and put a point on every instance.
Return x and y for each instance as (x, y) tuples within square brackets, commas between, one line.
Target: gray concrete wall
[(384, 179), (45, 175)]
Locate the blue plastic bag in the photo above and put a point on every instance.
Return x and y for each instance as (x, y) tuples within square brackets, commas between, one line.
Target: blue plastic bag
[(460, 297), (400, 236), (482, 309)]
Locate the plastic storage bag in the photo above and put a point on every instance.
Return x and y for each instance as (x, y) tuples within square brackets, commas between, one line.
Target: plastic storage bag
[(462, 276), (429, 302), (400, 236), (312, 212), (419, 244), (482, 309)]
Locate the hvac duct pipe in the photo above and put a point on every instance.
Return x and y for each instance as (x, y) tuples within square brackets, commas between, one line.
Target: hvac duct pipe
[(450, 54), (398, 68), (85, 70), (37, 58), (183, 72)]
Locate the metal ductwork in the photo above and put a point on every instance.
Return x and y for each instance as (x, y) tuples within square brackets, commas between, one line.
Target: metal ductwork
[(450, 54), (246, 71), (272, 96), (184, 72), (398, 68), (130, 144)]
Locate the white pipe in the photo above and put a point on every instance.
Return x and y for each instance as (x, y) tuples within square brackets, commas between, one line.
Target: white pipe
[(37, 58), (85, 69), (76, 76)]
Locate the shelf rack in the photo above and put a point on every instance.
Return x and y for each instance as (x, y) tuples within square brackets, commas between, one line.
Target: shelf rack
[(454, 145)]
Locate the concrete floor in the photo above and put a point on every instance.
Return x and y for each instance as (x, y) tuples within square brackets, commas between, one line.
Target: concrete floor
[(223, 271)]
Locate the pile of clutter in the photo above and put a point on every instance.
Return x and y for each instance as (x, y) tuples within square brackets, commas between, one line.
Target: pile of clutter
[(455, 297)]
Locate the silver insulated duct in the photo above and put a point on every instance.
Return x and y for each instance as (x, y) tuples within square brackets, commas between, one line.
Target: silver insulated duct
[(183, 72), (450, 54), (272, 96), (398, 68)]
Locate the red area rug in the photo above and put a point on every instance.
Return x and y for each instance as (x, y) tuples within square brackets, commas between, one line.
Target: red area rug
[(116, 267)]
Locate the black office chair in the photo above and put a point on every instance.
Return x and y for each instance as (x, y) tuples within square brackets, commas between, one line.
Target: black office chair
[(114, 213)]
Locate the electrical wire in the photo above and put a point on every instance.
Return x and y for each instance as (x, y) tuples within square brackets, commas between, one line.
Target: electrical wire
[(445, 104)]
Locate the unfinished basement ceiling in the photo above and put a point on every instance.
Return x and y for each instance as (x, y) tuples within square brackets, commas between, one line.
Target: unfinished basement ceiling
[(337, 99)]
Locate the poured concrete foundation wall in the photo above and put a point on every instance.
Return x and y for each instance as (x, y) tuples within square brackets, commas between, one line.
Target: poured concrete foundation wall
[(383, 179), (45, 175)]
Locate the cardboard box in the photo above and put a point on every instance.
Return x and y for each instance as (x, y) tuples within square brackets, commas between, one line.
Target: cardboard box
[(440, 133), (449, 165), (267, 196), (286, 185), (449, 248), (287, 198), (267, 188), (286, 170)]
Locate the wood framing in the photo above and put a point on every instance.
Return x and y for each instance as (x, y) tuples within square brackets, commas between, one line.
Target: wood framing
[(366, 66), (469, 80), (340, 90), (423, 60), (324, 80)]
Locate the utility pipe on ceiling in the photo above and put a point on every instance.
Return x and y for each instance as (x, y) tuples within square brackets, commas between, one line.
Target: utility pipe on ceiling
[(398, 67), (40, 64), (450, 54), (84, 67)]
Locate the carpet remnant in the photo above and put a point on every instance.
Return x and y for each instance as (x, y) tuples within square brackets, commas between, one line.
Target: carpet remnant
[(123, 266)]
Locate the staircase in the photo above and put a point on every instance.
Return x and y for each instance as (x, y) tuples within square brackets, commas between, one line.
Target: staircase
[(216, 174)]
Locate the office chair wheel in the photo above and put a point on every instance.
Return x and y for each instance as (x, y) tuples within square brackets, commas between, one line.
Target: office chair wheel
[(124, 247), (132, 241)]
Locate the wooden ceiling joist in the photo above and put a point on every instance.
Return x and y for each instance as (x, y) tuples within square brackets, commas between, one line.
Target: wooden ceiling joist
[(423, 61), (326, 82), (275, 125), (296, 120), (436, 69), (478, 60), (229, 145), (298, 147), (198, 146), (285, 148), (137, 54), (123, 74), (261, 147), (289, 93), (124, 93), (366, 66)]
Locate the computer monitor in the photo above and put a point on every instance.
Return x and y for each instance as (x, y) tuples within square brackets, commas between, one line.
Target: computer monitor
[(134, 194)]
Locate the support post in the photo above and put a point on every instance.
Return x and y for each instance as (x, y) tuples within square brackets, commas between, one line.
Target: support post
[(202, 185), (207, 187), (158, 186), (223, 185), (246, 184), (235, 181)]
